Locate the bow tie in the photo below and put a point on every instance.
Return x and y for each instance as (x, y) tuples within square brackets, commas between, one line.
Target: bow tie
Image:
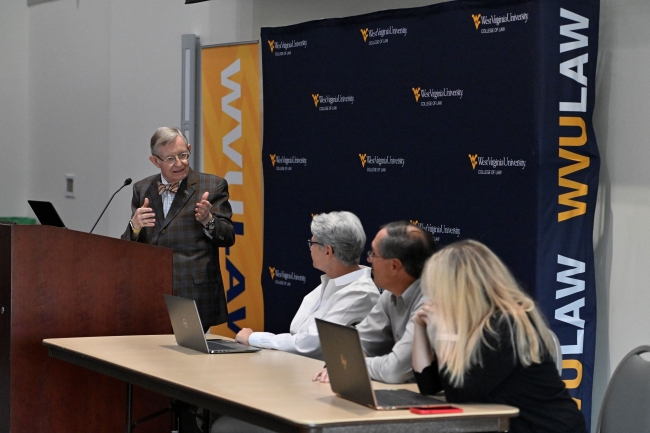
[(171, 187)]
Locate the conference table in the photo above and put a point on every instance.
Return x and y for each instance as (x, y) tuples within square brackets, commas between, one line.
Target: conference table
[(269, 388)]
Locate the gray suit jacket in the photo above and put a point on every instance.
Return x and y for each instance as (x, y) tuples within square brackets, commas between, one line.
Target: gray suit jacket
[(196, 273)]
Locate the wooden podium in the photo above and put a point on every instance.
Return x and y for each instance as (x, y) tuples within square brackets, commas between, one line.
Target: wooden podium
[(57, 282)]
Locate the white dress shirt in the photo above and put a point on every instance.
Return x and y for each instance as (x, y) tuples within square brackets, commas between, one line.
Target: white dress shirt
[(345, 300), (167, 197), (387, 335)]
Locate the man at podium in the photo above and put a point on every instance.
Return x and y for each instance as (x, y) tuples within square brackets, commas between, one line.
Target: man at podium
[(188, 212)]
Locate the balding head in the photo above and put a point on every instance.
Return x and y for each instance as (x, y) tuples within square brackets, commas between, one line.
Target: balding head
[(409, 244)]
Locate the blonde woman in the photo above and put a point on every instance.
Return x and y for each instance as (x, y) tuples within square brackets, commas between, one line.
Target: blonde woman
[(481, 339)]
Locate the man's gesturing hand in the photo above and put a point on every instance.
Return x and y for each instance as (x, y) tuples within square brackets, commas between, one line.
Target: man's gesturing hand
[(143, 216)]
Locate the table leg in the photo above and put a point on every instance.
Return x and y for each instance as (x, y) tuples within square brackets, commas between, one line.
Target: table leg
[(206, 421), (129, 406)]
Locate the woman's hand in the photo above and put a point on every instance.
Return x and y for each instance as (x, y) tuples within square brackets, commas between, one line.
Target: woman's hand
[(422, 354), (423, 315)]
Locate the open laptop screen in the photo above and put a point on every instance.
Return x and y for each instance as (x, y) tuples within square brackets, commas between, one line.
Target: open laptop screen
[(46, 214), (349, 375)]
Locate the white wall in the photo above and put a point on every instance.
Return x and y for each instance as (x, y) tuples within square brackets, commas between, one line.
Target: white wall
[(621, 120), (14, 149), (84, 83), (145, 90), (68, 121)]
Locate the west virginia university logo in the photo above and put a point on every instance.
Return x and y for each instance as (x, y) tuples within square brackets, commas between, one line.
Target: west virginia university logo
[(414, 222), (271, 45), (473, 160), (364, 33), (272, 271), (416, 93), (315, 98), (362, 157), (477, 20), (272, 159)]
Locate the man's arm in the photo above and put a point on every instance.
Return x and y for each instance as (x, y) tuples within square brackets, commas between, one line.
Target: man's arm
[(395, 366), (223, 234), (141, 216), (284, 342), (390, 363), (347, 306), (374, 331), (302, 344)]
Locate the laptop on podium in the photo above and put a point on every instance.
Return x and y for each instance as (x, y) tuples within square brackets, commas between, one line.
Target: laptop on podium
[(46, 213), (188, 331), (349, 377)]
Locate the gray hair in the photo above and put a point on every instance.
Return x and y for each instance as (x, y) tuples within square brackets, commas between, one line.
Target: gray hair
[(411, 247), (343, 232), (164, 135)]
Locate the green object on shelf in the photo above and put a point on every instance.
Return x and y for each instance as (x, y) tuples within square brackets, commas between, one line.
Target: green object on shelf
[(19, 220)]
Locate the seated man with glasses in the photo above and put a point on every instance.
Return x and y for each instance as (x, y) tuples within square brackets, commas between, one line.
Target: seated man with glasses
[(188, 212), (398, 254), (345, 296), (346, 293)]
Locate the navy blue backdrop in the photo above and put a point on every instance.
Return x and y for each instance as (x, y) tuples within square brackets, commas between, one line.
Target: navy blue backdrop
[(471, 119)]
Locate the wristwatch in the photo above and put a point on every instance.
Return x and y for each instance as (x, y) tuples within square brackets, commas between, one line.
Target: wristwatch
[(210, 226)]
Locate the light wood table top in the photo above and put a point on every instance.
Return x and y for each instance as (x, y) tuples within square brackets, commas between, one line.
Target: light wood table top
[(269, 388)]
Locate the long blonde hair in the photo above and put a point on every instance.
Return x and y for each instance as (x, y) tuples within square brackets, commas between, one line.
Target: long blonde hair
[(467, 285)]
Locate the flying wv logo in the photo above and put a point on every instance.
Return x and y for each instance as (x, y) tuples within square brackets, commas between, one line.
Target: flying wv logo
[(364, 33), (472, 159), (477, 20), (362, 157)]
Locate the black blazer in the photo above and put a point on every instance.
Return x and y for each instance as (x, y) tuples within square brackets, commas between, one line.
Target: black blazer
[(196, 272)]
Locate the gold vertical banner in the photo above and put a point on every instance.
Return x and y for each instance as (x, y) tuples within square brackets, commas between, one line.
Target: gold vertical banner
[(232, 149)]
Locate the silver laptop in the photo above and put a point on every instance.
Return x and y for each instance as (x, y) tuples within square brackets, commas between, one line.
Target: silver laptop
[(189, 332), (349, 376)]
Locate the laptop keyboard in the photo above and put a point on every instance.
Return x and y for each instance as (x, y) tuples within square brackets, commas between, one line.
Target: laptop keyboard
[(404, 397), (218, 346)]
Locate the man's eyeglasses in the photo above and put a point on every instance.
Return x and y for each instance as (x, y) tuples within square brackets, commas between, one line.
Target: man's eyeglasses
[(310, 242), (171, 160), (372, 255)]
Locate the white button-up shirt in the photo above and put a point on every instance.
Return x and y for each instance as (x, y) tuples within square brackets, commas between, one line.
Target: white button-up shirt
[(344, 300)]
